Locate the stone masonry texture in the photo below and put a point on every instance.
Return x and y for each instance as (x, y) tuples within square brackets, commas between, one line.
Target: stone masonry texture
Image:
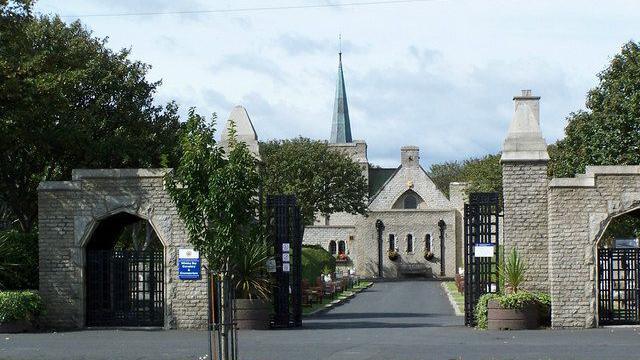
[(525, 218), (70, 211), (579, 211)]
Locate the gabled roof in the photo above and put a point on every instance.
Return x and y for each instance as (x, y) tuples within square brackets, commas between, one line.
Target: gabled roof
[(378, 177), (396, 185)]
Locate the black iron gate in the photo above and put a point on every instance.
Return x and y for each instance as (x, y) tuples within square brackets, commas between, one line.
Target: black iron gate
[(124, 288), (286, 233), (481, 226), (618, 290)]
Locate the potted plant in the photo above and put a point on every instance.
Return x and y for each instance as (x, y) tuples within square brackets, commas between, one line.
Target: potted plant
[(252, 284), (428, 255), (393, 255), (18, 310), (516, 309)]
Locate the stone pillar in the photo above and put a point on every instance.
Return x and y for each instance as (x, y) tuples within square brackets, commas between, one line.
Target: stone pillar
[(525, 183)]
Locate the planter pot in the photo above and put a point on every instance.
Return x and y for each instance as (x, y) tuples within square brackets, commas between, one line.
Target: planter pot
[(511, 319), (252, 313), (16, 326)]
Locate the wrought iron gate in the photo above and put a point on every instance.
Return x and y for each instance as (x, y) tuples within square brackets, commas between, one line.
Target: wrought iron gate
[(286, 234), (481, 226), (618, 290), (124, 288)]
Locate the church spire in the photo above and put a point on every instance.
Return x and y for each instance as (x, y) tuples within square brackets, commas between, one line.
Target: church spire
[(340, 125)]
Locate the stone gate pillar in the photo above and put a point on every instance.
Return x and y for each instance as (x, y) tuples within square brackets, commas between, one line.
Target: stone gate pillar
[(525, 183)]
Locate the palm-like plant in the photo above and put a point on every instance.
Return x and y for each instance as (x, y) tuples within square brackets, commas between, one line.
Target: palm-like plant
[(513, 270), (250, 277)]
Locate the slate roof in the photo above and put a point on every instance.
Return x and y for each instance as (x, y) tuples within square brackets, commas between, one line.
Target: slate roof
[(378, 177), (340, 124)]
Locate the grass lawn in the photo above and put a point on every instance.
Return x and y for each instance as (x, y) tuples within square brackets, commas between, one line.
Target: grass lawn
[(341, 295), (457, 296)]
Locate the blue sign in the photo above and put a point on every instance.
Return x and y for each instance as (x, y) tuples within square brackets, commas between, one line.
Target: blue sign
[(188, 264)]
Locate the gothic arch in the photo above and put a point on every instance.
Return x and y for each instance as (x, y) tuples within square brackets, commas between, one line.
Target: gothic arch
[(409, 196)]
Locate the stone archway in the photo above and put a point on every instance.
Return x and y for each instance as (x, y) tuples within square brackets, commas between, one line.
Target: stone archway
[(579, 210), (71, 211)]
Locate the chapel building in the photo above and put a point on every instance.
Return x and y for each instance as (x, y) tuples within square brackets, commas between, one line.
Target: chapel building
[(411, 228)]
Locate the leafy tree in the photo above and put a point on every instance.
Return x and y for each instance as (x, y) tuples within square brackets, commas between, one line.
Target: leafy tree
[(446, 173), (216, 195), (67, 101), (483, 174), (608, 131), (324, 181)]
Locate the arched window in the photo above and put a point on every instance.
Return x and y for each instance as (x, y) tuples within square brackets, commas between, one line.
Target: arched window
[(427, 242), (332, 247), (392, 242), (410, 202), (409, 243), (342, 247)]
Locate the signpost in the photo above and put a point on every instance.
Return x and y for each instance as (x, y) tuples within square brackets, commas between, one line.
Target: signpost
[(188, 264)]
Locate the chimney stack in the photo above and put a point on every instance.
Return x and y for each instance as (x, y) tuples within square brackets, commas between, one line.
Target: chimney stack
[(410, 156)]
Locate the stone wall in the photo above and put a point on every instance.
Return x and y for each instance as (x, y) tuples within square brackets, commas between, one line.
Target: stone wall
[(400, 223), (579, 210), (525, 218), (69, 211)]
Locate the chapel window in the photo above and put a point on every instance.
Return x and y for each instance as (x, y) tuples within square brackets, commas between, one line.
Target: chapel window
[(409, 243), (427, 242), (342, 248), (410, 202), (392, 242), (332, 247)]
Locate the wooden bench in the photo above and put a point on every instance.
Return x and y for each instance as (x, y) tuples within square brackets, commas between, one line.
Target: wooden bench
[(413, 269)]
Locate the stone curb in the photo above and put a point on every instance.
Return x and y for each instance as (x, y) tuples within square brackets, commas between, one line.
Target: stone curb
[(336, 302), (451, 300)]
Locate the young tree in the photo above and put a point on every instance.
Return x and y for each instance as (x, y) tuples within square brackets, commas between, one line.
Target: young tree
[(608, 131), (483, 174), (445, 173), (323, 180), (67, 101), (216, 194)]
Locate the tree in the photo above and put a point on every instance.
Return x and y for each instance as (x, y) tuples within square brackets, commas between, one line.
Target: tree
[(446, 173), (608, 131), (67, 101), (323, 180), (216, 194), (482, 174)]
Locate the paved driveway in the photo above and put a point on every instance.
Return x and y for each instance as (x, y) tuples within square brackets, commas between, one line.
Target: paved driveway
[(393, 320)]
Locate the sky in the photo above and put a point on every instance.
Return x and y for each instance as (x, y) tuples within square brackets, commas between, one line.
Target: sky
[(438, 74)]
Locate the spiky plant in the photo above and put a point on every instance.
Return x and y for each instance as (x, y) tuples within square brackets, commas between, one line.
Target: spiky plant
[(250, 277), (513, 270)]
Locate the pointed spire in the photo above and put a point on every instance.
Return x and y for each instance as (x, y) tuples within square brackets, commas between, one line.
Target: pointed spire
[(340, 125)]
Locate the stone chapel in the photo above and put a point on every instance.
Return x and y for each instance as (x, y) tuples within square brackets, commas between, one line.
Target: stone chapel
[(412, 228)]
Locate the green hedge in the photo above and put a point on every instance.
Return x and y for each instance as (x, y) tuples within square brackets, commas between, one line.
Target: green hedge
[(314, 260), (19, 305), (518, 300)]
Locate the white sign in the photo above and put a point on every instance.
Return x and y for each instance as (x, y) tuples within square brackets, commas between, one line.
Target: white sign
[(285, 267), (285, 247), (188, 254), (483, 250)]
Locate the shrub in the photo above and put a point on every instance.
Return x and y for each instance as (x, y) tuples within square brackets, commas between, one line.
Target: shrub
[(18, 260), (314, 260), (518, 300), (19, 305)]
